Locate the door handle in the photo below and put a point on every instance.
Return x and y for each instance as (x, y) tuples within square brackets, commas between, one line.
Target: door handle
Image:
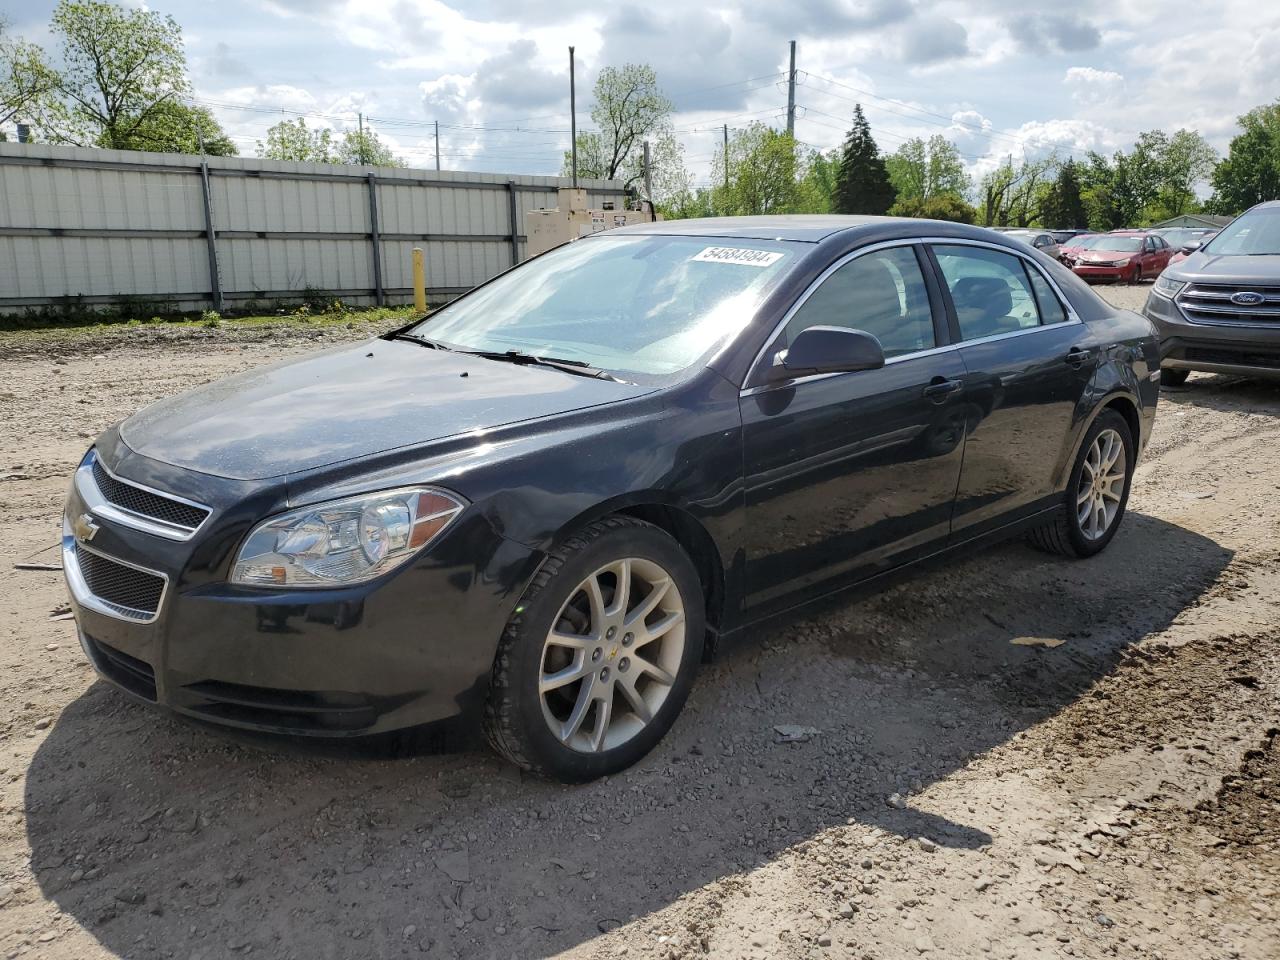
[(1078, 357), (940, 388)]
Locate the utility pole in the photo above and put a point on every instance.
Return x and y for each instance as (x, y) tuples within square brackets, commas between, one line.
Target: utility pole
[(726, 156), (791, 94), (648, 181), (361, 119), (573, 123), (437, 145)]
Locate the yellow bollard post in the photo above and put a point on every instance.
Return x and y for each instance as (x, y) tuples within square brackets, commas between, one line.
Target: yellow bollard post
[(419, 281)]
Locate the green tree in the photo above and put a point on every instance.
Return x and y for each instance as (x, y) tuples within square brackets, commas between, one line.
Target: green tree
[(691, 203), (818, 181), (358, 148), (119, 68), (26, 78), (176, 127), (920, 170), (1187, 161), (862, 185), (941, 206), (762, 173), (1063, 205), (629, 109), (1012, 194), (294, 140), (1251, 171)]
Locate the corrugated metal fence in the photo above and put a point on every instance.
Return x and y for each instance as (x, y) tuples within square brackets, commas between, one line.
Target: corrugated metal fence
[(81, 226)]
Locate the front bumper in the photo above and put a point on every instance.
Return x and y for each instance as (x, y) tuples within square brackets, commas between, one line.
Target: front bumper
[(1239, 349), (1088, 271), (412, 647)]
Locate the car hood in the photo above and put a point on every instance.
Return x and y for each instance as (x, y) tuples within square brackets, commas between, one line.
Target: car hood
[(350, 402), (1215, 268), (1107, 256)]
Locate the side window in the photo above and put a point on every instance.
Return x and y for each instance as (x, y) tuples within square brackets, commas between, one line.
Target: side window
[(990, 290), (883, 293), (1051, 308)]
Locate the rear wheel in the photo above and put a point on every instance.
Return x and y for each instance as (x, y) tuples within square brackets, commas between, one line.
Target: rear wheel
[(1096, 493), (1173, 377), (598, 659)]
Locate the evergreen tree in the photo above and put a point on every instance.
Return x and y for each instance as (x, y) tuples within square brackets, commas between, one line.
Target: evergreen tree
[(1063, 205), (862, 185)]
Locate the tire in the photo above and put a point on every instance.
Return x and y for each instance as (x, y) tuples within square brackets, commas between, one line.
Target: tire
[(1136, 277), (1173, 377), (1066, 534), (531, 710)]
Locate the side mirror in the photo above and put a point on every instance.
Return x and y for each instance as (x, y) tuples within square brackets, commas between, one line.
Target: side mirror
[(1193, 246), (1040, 242), (832, 350)]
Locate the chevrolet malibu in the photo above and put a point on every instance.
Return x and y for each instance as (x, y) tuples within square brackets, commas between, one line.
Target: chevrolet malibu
[(540, 508)]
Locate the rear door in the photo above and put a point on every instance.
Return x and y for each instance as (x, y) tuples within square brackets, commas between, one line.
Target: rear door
[(849, 473), (1028, 361)]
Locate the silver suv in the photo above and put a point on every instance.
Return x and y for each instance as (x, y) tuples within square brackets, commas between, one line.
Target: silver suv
[(1219, 309)]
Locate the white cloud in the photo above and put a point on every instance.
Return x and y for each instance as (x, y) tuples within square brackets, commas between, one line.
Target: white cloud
[(994, 76), (1089, 85)]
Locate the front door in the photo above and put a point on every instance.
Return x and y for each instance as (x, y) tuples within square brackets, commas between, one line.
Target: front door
[(1028, 362), (851, 473)]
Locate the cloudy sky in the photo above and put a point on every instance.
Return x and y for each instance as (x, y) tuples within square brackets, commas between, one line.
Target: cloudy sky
[(998, 77)]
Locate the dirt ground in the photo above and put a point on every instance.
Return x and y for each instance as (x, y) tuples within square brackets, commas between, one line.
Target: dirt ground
[(1009, 756)]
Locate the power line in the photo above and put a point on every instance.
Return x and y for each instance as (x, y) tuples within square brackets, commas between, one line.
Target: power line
[(938, 119)]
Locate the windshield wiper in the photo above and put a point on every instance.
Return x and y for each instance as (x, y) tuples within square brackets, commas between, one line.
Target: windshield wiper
[(424, 341), (576, 367)]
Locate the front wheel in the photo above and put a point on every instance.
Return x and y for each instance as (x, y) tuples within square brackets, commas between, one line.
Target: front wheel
[(1136, 277), (598, 659), (1173, 377), (1096, 493)]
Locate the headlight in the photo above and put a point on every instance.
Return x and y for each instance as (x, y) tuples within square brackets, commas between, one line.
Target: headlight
[(344, 541), (1115, 263), (1167, 287)]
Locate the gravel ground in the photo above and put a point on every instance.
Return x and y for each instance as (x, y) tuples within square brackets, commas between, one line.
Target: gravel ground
[(1009, 756)]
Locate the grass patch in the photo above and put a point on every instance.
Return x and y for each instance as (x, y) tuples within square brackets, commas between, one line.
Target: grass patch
[(18, 327)]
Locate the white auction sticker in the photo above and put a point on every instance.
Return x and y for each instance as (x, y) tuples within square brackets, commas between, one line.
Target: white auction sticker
[(747, 258)]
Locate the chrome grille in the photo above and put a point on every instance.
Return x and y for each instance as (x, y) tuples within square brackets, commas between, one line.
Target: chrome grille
[(129, 592), (129, 503), (1211, 303)]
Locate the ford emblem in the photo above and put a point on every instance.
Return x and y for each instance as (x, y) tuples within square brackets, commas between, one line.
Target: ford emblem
[(1247, 298)]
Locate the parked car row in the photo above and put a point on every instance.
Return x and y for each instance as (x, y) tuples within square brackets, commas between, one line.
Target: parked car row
[(1121, 256)]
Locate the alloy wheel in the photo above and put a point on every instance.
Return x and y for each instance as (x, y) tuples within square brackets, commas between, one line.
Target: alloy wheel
[(612, 655), (1102, 479)]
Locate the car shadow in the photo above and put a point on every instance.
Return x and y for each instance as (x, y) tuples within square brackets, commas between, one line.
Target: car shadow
[(164, 838), (1227, 393)]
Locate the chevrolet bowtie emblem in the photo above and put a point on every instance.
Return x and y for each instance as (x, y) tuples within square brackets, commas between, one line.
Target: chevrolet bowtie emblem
[(84, 528)]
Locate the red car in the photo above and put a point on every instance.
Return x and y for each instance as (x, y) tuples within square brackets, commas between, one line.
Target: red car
[(1124, 256)]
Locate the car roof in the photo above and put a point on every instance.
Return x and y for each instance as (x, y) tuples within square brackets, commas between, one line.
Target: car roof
[(808, 228)]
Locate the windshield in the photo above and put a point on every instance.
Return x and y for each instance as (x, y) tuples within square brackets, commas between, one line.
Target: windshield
[(1178, 238), (1118, 244), (1254, 234), (1084, 241), (625, 304)]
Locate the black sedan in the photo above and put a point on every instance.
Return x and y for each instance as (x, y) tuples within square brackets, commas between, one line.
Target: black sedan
[(542, 506)]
